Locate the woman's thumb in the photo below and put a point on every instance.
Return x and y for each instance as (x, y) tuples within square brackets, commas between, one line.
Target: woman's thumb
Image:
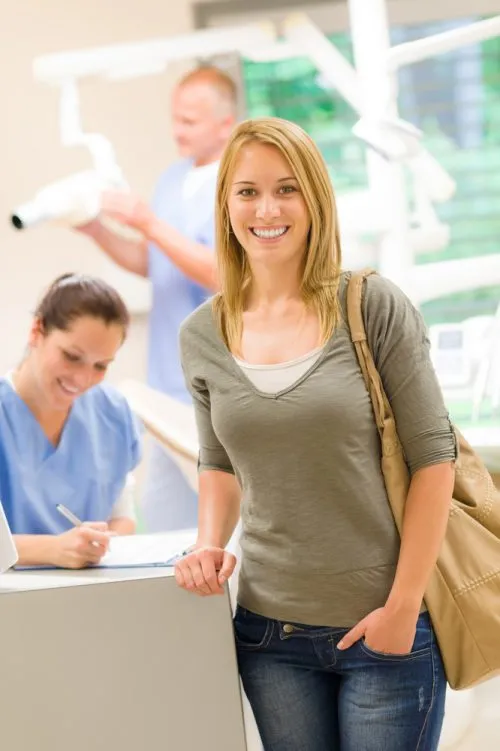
[(227, 568)]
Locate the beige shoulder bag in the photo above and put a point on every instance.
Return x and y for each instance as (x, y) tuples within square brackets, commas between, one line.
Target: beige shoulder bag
[(463, 595)]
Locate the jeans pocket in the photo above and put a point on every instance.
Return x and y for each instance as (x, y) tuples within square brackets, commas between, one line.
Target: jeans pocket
[(251, 631), (422, 644)]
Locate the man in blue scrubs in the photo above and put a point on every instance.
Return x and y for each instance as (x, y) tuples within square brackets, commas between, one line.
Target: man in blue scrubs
[(177, 255)]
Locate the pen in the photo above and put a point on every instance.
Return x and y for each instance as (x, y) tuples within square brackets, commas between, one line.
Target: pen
[(71, 517), (179, 556)]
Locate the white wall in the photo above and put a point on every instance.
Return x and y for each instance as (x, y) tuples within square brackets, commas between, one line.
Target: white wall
[(135, 115)]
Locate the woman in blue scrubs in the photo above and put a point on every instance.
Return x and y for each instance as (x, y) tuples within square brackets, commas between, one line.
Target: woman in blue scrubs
[(65, 437)]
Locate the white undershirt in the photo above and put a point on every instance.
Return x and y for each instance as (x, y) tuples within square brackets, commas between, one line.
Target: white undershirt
[(271, 379), (124, 505), (196, 178)]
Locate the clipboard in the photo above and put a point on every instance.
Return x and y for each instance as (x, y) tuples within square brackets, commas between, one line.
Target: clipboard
[(147, 550)]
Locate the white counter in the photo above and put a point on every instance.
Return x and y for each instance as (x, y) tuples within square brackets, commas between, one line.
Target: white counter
[(115, 659)]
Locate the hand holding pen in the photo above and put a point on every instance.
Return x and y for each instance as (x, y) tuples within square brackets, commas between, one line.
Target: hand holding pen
[(82, 546)]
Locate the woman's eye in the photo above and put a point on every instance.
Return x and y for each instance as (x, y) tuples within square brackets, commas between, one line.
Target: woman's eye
[(246, 192), (101, 368), (70, 357), (288, 189)]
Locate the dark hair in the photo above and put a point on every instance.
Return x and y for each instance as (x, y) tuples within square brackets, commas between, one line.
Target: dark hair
[(72, 296)]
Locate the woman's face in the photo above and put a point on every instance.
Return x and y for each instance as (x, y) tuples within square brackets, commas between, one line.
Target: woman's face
[(67, 363), (267, 210)]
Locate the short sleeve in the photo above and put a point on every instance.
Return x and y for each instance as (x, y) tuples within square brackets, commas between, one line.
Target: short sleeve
[(135, 441), (131, 445), (127, 426), (206, 235), (397, 337), (124, 506), (212, 454)]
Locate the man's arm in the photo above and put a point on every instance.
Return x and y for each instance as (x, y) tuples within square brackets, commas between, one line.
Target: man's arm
[(132, 255), (195, 260)]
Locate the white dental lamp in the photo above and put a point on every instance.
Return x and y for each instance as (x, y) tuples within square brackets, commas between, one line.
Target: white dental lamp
[(77, 198)]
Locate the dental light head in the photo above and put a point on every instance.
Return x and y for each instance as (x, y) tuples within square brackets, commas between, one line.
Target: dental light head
[(399, 141), (75, 199), (392, 138), (71, 201)]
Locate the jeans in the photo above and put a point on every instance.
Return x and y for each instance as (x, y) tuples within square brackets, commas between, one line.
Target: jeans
[(168, 503), (307, 695)]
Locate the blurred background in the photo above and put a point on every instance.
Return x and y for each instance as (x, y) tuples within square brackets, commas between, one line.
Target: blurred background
[(439, 236), (453, 97)]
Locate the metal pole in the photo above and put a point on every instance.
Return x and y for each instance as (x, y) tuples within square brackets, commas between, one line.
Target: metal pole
[(371, 45)]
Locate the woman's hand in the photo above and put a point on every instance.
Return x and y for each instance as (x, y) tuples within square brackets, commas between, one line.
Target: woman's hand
[(81, 546), (204, 570), (385, 630)]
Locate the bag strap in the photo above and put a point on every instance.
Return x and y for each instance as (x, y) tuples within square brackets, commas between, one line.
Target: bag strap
[(381, 407)]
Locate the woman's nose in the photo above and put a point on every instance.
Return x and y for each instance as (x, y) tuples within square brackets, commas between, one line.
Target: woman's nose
[(84, 378), (267, 208)]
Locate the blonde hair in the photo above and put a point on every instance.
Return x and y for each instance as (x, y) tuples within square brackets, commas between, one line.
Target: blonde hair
[(321, 271)]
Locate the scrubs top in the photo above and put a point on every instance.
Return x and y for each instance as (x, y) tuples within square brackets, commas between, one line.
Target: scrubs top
[(86, 471), (174, 295)]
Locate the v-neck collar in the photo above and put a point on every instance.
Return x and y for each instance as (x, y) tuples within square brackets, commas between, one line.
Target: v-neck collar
[(242, 376)]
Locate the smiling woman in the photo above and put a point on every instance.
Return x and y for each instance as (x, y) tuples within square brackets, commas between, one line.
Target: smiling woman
[(77, 329), (66, 438), (266, 204), (334, 647), (276, 216)]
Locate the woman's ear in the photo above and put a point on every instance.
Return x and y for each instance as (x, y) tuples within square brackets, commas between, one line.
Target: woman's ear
[(37, 333)]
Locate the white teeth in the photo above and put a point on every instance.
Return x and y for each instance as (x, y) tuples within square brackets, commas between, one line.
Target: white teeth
[(69, 389), (270, 233)]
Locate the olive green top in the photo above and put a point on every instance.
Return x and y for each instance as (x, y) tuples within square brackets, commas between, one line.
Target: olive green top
[(319, 542)]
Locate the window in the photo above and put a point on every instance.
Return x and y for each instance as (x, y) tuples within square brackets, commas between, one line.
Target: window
[(455, 99)]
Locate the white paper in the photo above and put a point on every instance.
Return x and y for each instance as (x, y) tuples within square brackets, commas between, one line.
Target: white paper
[(146, 550)]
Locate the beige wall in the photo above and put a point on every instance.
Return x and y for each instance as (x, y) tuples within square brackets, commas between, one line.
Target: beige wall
[(134, 115)]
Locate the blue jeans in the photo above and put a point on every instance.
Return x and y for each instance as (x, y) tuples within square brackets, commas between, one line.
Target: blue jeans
[(307, 695)]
